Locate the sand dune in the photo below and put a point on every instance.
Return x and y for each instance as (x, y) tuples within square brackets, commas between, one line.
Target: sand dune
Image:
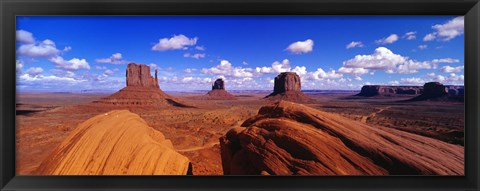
[(288, 138), (115, 143)]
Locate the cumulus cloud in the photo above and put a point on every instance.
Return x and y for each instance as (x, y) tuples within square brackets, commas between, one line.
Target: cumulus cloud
[(447, 31), (225, 68), (33, 71), (412, 81), (388, 40), (67, 48), (354, 44), (100, 67), (449, 69), (385, 59), (44, 49), (300, 47), (175, 43), (49, 79), (196, 56), (24, 37), (410, 35), (353, 71), (19, 65), (429, 37), (115, 58), (423, 46), (276, 67), (73, 64)]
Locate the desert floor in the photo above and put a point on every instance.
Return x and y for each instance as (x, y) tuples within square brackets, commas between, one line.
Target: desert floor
[(45, 119)]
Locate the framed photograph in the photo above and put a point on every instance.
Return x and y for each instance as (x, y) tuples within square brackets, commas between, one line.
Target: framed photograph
[(239, 95)]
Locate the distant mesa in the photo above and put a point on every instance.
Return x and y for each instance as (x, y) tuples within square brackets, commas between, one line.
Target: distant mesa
[(142, 90), (219, 84), (218, 92), (292, 139), (115, 143), (287, 86), (380, 90), (436, 91)]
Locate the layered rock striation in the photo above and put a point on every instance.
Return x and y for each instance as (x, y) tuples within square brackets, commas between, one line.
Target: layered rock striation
[(115, 143), (436, 91), (292, 139), (287, 86), (380, 90), (142, 90)]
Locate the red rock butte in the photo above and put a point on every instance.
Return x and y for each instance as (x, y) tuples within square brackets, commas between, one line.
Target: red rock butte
[(218, 92), (142, 90), (288, 87), (293, 139)]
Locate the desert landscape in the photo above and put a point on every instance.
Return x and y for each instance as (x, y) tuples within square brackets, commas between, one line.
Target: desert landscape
[(227, 95), (142, 130)]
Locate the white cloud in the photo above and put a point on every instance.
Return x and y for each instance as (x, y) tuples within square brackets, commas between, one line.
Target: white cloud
[(353, 71), (412, 81), (447, 31), (44, 49), (115, 58), (109, 72), (429, 37), (300, 47), (189, 70), (25, 37), (44, 80), (445, 60), (452, 79), (354, 44), (431, 74), (410, 35), (385, 59), (388, 40), (245, 63), (196, 56), (100, 67), (225, 68), (67, 48), (449, 69), (19, 65), (175, 43), (33, 71), (201, 48), (276, 67), (382, 58), (394, 83), (423, 46), (73, 64)]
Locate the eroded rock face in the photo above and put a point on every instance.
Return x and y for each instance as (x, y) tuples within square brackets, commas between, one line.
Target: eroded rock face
[(142, 90), (139, 75), (115, 143), (287, 81), (375, 90), (288, 138), (287, 86), (434, 89), (218, 85)]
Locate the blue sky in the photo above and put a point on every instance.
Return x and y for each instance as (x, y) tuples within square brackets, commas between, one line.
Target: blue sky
[(74, 53)]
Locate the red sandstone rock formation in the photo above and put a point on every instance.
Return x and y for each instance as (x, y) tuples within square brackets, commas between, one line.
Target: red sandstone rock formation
[(288, 138), (288, 87), (142, 90), (115, 143), (218, 92), (139, 75), (433, 91), (380, 90)]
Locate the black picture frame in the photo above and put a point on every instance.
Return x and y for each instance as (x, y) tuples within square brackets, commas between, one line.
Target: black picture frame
[(10, 8)]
